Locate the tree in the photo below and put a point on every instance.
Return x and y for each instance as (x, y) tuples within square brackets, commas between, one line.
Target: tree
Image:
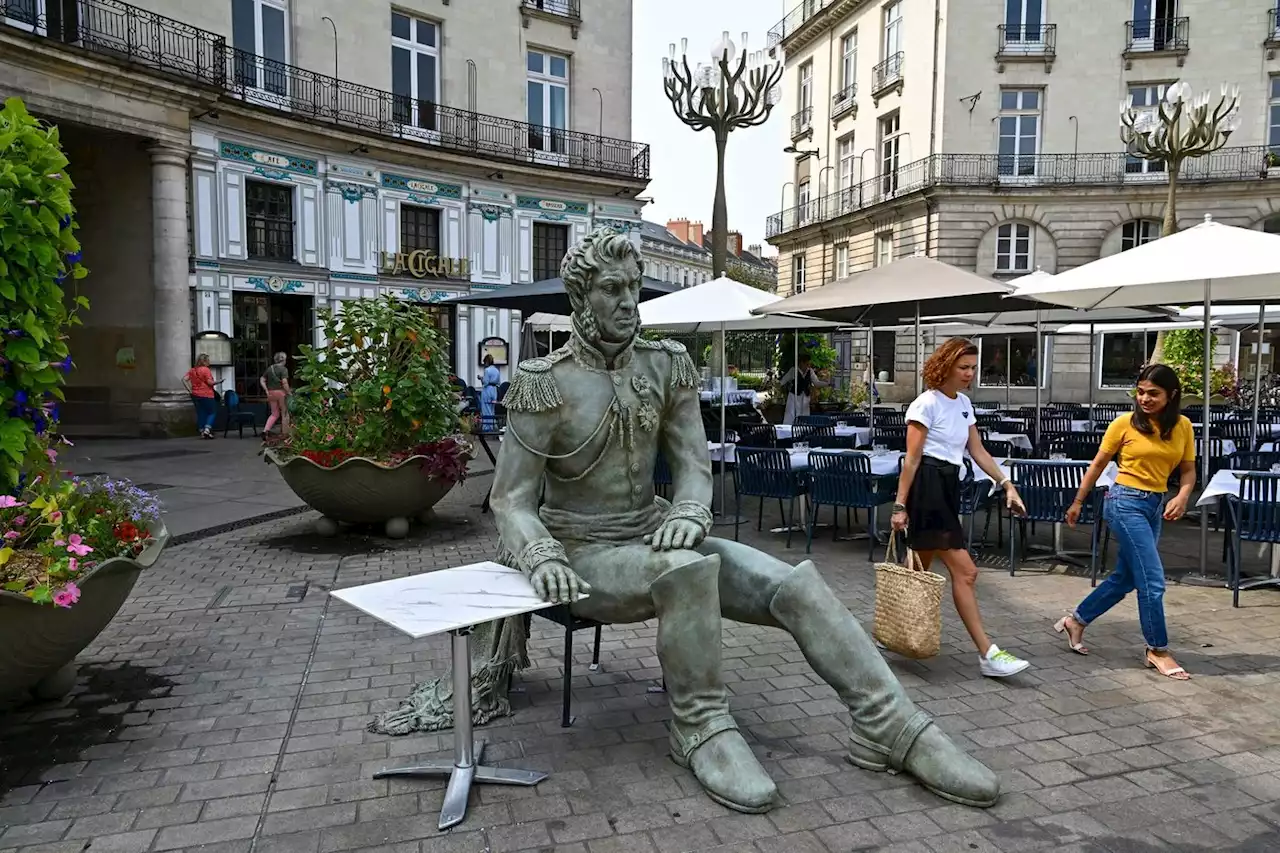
[(737, 273)]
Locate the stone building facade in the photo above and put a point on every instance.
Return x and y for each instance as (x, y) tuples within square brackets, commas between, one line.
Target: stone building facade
[(990, 140), (242, 164)]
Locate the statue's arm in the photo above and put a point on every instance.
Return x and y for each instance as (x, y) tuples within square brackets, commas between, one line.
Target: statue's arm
[(684, 443), (517, 486)]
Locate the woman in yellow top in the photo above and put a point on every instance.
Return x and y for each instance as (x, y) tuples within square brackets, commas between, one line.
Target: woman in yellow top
[(1148, 443)]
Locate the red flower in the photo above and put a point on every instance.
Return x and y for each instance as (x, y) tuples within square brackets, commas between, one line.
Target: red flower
[(127, 531)]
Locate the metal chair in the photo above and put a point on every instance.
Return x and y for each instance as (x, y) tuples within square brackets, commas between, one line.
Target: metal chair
[(561, 615), (1255, 517), (813, 433), (991, 422), (1241, 433), (237, 418), (1048, 489), (1254, 460), (766, 473), (661, 475), (1080, 446), (894, 438), (976, 495), (999, 448), (814, 420), (845, 480), (758, 435), (1011, 427), (857, 419), (890, 418)]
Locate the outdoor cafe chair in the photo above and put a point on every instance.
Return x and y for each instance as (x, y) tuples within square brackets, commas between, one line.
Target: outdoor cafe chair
[(1254, 517), (999, 448), (894, 438), (758, 435), (976, 495), (989, 421), (1253, 460), (236, 416), (831, 441), (814, 420), (857, 419), (661, 475), (764, 472), (1241, 433), (845, 480), (1048, 489), (812, 433), (890, 418), (1079, 446)]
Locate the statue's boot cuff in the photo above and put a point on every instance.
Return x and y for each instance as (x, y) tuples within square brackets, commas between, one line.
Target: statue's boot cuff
[(724, 765), (924, 751)]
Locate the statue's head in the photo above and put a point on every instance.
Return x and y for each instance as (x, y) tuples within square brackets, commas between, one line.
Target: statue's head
[(602, 277)]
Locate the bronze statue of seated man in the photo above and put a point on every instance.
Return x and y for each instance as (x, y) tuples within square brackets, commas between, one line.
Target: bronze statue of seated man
[(589, 421)]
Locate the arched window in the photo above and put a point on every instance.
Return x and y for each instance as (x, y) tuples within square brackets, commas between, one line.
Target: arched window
[(1137, 232)]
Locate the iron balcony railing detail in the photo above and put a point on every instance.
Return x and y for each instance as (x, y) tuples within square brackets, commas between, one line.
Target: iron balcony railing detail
[(801, 122), (1273, 26), (1000, 170), (1161, 34), (887, 73), (804, 11), (1028, 40), (843, 101), (134, 35), (564, 8)]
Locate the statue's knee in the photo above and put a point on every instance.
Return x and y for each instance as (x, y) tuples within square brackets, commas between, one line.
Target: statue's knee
[(669, 567)]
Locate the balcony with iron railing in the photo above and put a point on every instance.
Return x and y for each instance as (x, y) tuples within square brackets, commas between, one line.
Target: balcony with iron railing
[(1032, 42), (844, 102), (802, 123), (1272, 41), (887, 75), (571, 9), (162, 45), (1162, 35), (804, 11), (997, 171)]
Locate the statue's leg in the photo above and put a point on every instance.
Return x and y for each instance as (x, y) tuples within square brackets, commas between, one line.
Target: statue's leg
[(632, 583), (889, 732)]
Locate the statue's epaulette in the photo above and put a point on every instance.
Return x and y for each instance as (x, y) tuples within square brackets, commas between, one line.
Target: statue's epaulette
[(533, 388), (683, 373)]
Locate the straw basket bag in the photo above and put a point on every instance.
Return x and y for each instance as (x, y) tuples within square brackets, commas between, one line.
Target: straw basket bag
[(908, 605)]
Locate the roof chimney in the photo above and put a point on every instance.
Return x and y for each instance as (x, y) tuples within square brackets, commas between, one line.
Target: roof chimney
[(735, 243), (695, 234), (680, 228), (755, 249)]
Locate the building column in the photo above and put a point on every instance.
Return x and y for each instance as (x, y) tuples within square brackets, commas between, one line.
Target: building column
[(168, 412)]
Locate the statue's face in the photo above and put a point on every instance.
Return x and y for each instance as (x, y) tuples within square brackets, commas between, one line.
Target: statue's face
[(614, 298)]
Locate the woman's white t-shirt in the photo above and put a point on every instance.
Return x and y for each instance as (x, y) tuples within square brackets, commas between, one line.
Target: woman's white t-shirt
[(947, 421)]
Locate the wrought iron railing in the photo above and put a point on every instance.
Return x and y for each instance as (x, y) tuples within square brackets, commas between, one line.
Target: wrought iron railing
[(804, 11), (843, 101), (999, 170), (887, 73), (1161, 34), (1273, 26), (564, 8), (1028, 40), (136, 36), (801, 121)]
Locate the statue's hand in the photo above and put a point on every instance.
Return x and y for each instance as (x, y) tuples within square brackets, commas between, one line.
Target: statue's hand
[(558, 583), (676, 534)]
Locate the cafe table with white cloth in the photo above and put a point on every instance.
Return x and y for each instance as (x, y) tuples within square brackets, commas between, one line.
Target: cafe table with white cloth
[(861, 435), (1226, 484)]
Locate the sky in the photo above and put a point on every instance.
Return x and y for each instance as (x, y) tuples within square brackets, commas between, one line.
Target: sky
[(683, 163)]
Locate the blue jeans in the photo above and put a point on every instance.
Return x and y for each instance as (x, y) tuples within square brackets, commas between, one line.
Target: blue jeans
[(1135, 517), (206, 412)]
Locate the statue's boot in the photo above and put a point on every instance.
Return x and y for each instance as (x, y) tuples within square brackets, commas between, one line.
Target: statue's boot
[(889, 732), (704, 736)]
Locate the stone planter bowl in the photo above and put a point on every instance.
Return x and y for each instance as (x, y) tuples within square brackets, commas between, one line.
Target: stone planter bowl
[(39, 642), (362, 491)]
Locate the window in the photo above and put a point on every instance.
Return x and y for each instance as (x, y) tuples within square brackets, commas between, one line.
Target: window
[(805, 95), (548, 94), (1154, 24), (844, 162), (1008, 359), (1019, 132), (415, 77), (802, 201), (1146, 96), (1138, 232), (269, 220), (1273, 115), (419, 229), (797, 274), (848, 62), (1022, 21), (884, 348), (890, 149), (842, 261), (1124, 354), (1013, 248), (884, 248), (258, 34), (550, 245), (892, 29)]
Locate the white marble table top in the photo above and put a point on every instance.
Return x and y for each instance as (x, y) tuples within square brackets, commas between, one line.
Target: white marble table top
[(1225, 484), (447, 599)]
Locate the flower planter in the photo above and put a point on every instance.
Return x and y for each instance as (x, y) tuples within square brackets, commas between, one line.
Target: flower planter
[(361, 491), (39, 642)]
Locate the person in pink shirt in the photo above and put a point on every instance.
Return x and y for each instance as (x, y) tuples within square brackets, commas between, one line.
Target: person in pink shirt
[(200, 382)]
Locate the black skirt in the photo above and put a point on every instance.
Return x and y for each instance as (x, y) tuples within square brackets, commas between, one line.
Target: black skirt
[(933, 507)]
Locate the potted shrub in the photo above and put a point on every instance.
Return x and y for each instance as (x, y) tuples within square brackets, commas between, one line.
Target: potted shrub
[(376, 437), (70, 549)]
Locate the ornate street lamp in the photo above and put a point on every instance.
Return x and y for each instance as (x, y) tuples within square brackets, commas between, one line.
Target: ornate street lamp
[(1179, 129)]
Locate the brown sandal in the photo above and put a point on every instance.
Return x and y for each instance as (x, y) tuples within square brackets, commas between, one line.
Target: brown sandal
[(1176, 672)]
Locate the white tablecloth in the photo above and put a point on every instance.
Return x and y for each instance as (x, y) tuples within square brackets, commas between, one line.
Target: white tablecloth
[(753, 396), (1016, 439), (1225, 483), (862, 435)]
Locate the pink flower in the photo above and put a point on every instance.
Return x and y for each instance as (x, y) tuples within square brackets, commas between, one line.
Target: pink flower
[(59, 542), (52, 454), (11, 535), (73, 565), (67, 596), (7, 501), (19, 521), (56, 516), (76, 546)]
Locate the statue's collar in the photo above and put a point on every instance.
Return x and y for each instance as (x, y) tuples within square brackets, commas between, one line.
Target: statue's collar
[(589, 356)]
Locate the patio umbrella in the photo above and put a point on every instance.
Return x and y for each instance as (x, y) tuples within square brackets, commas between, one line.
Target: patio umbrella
[(722, 305), (545, 296), (1207, 262)]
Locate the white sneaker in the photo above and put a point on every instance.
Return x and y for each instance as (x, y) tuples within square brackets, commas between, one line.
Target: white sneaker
[(1000, 664)]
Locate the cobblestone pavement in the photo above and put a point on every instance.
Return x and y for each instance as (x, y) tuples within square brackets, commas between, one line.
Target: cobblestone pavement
[(225, 708)]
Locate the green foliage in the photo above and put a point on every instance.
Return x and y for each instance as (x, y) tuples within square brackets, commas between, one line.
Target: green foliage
[(822, 355), (741, 276), (39, 256), (750, 381), (1184, 352), (381, 387)]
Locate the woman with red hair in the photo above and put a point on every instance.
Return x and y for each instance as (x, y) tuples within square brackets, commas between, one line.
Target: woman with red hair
[(940, 427)]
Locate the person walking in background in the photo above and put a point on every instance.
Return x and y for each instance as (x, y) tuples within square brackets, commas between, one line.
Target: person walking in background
[(1151, 441), (799, 383), (275, 382), (489, 380), (202, 386), (940, 427)]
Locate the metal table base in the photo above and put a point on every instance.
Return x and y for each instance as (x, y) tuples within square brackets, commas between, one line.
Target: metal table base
[(465, 769)]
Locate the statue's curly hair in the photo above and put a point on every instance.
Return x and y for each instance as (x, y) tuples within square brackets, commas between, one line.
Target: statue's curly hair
[(580, 266), (937, 369)]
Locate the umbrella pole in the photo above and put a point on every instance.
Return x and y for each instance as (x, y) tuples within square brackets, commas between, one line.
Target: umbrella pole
[(1092, 341), (1204, 438), (871, 380), (919, 360), (1035, 379), (1008, 370), (724, 383), (1257, 371)]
